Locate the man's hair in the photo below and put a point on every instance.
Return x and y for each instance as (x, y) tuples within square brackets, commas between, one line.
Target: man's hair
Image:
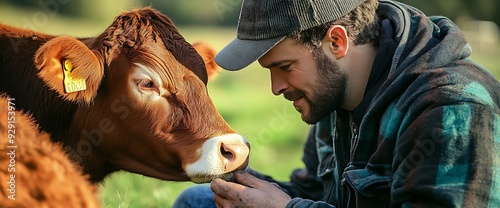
[(361, 24)]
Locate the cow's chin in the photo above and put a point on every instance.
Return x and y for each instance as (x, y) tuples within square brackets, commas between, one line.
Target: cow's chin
[(208, 177), (201, 178)]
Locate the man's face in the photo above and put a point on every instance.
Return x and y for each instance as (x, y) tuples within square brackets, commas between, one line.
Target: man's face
[(310, 79)]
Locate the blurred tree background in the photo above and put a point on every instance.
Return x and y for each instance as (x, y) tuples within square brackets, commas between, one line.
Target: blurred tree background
[(225, 12)]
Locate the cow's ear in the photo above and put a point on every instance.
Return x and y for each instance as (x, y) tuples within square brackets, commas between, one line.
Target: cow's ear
[(70, 68), (208, 54)]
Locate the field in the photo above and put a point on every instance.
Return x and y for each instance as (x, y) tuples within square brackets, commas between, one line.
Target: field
[(244, 98)]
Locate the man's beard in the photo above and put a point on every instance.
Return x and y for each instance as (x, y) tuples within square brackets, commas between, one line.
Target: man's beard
[(329, 90)]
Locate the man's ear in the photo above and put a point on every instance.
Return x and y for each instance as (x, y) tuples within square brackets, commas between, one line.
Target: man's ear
[(338, 41), (208, 54), (70, 68)]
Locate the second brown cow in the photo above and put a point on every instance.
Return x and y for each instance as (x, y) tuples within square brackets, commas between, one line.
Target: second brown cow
[(133, 98)]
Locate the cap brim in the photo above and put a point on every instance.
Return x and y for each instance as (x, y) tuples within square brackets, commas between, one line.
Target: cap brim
[(238, 54)]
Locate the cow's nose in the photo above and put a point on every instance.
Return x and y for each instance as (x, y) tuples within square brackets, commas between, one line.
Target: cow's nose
[(235, 155)]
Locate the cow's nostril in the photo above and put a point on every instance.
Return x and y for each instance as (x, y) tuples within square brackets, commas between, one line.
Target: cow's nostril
[(226, 152), (234, 155)]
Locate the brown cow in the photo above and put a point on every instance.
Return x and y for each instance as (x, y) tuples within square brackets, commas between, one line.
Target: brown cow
[(35, 172), (145, 107)]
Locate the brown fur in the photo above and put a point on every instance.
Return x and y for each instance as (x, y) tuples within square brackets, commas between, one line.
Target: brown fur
[(44, 176)]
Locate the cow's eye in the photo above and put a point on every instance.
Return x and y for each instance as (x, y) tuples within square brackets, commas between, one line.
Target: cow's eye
[(146, 84)]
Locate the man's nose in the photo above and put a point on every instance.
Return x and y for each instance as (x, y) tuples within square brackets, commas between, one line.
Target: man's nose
[(278, 83)]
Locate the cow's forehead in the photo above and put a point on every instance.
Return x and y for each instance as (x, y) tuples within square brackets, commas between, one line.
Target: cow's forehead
[(135, 28), (177, 45)]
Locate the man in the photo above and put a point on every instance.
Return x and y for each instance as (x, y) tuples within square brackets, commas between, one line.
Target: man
[(401, 117)]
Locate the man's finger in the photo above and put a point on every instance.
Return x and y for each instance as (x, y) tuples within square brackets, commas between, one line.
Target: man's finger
[(218, 187), (226, 193), (220, 201), (227, 190), (246, 179), (276, 185)]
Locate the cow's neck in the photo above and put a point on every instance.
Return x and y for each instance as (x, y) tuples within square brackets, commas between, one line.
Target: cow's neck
[(87, 155), (95, 167), (19, 80), (85, 144)]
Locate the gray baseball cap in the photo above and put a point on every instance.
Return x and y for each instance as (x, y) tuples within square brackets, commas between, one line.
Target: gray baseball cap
[(265, 23)]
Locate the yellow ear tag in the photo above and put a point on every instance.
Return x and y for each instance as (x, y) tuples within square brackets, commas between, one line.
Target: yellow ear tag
[(72, 84)]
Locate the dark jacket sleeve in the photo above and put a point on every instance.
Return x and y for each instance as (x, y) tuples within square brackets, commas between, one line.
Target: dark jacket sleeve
[(306, 203), (451, 163)]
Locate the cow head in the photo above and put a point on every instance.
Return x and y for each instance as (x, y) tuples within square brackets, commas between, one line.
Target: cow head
[(147, 107)]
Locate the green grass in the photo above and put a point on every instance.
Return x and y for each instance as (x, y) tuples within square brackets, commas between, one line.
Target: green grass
[(243, 98)]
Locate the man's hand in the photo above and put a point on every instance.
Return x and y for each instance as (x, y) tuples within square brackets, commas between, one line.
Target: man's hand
[(251, 192)]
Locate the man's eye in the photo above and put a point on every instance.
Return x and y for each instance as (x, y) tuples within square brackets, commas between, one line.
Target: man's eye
[(285, 67)]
